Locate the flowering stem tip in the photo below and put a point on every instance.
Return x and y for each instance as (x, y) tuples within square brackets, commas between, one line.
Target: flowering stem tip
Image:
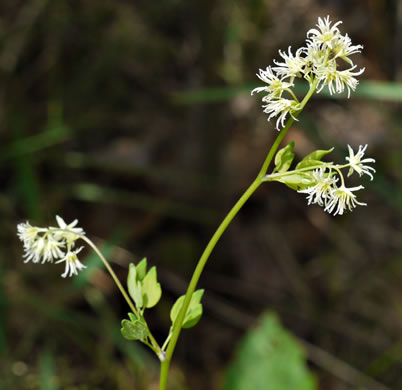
[(44, 245), (326, 52)]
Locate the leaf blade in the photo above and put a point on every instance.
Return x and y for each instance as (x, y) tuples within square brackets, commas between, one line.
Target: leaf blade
[(284, 158), (194, 310), (151, 289)]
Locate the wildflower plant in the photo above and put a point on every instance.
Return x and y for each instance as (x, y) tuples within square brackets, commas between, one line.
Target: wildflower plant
[(323, 183)]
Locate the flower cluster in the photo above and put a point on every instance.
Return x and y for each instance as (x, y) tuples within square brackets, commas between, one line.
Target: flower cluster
[(325, 191), (317, 62), (52, 243)]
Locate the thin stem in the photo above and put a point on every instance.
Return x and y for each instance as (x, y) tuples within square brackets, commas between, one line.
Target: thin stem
[(273, 176), (155, 347), (292, 93), (112, 274), (340, 174), (196, 275), (165, 344), (164, 372), (282, 134)]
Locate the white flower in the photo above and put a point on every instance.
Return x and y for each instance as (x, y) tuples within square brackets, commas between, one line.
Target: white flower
[(293, 65), (70, 226), (73, 265), (69, 232), (325, 33), (275, 85), (323, 49), (356, 162), (319, 193), (343, 48), (315, 62), (38, 244), (343, 199), (52, 248), (46, 248), (315, 59), (52, 243), (34, 251), (281, 108), (27, 233), (275, 104), (346, 77), (336, 79)]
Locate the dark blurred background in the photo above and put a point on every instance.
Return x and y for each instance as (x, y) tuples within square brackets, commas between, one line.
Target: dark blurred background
[(135, 117)]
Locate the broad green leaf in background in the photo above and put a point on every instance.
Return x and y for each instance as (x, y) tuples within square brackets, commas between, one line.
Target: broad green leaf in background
[(194, 311), (284, 158), (269, 358)]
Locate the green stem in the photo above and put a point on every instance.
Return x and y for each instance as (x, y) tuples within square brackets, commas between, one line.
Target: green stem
[(274, 176), (112, 274), (165, 344), (292, 93), (289, 123), (165, 364), (196, 275), (340, 174), (154, 345)]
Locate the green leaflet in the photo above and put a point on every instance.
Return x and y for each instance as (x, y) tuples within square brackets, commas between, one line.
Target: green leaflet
[(134, 286), (134, 329), (132, 317), (141, 269), (309, 163), (151, 289), (194, 311), (137, 294), (313, 158), (143, 286), (297, 181), (284, 158)]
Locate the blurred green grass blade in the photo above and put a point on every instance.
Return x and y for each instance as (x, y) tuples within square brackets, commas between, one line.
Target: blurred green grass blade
[(389, 191), (26, 179), (379, 90), (34, 143), (56, 132), (158, 174), (375, 90), (94, 193), (47, 372), (59, 313), (3, 315), (208, 95), (388, 359)]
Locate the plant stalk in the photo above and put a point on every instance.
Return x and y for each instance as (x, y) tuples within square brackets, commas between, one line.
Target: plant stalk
[(154, 345), (164, 371)]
